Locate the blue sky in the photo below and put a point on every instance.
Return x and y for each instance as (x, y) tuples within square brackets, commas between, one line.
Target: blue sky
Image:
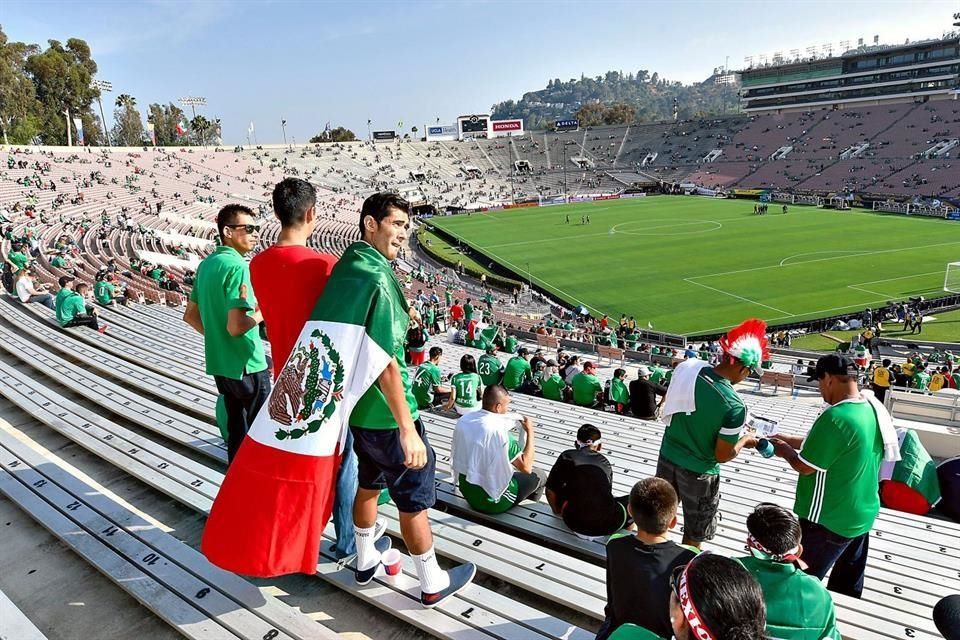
[(314, 62)]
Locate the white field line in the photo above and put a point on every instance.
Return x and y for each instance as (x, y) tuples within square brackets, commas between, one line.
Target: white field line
[(915, 275), (733, 295), (597, 235), (873, 293)]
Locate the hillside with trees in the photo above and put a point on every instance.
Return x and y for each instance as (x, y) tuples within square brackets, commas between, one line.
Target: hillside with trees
[(618, 98)]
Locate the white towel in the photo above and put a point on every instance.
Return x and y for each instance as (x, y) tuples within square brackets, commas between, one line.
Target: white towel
[(680, 394), (891, 442), (479, 451)]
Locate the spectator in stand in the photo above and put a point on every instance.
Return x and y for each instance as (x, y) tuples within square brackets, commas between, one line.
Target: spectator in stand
[(920, 379), (428, 386), (639, 566), (289, 278), (224, 310), (580, 488), (18, 258), (798, 605), (466, 387), (705, 418), (73, 310), (587, 390), (643, 395), (493, 472), (838, 461), (939, 379), (619, 396), (510, 343), (552, 386), (28, 292), (489, 367), (572, 369), (416, 343), (517, 375), (456, 314), (881, 379), (105, 291)]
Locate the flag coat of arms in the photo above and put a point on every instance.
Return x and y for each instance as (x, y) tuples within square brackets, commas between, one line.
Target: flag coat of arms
[(278, 494)]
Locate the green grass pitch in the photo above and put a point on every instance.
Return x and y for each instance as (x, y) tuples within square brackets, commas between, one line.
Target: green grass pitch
[(694, 265)]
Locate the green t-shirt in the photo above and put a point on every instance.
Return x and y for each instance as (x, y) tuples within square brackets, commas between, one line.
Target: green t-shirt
[(510, 344), (845, 447), (631, 340), (19, 260), (216, 291), (71, 306), (448, 297), (62, 295), (58, 261), (516, 371), (585, 388), (920, 380), (490, 369), (690, 441), (619, 392), (427, 377), (103, 292), (477, 498), (656, 374), (553, 387), (157, 273), (631, 631), (798, 605), (467, 312), (467, 385)]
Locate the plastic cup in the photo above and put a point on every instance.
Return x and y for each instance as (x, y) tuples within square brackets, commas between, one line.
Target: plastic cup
[(391, 562)]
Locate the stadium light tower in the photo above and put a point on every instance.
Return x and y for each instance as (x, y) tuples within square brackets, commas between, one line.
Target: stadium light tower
[(193, 102), (283, 125), (102, 85)]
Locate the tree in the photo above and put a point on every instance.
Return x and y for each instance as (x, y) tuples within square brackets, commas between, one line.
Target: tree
[(337, 134), (165, 119), (619, 113), (19, 109), (203, 131), (591, 114), (128, 130), (61, 77)]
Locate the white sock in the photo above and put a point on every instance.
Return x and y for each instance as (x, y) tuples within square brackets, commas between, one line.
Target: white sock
[(433, 579), (367, 554)]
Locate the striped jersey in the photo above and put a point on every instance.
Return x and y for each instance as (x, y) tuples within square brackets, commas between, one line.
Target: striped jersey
[(845, 448)]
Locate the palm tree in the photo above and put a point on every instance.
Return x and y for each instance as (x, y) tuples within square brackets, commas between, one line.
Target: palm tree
[(125, 100)]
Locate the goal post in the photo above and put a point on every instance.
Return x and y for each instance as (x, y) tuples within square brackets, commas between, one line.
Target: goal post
[(951, 281)]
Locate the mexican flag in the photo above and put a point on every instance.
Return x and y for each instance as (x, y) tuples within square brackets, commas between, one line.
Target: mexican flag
[(182, 127), (911, 483), (278, 493)]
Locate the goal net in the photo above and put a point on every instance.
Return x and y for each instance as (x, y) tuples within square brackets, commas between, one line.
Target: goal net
[(951, 282)]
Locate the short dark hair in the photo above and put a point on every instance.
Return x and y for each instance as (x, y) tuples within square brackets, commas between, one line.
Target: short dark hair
[(291, 199), (653, 503), (493, 394), (82, 286), (229, 214), (468, 364), (619, 373), (435, 352), (728, 597), (886, 362), (379, 205), (64, 280), (588, 433), (774, 527)]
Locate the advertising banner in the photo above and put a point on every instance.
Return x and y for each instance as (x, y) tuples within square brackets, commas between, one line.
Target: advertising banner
[(442, 132), (384, 135), (567, 124), (500, 128)]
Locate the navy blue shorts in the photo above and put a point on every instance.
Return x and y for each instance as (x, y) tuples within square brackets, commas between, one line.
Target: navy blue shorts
[(380, 466)]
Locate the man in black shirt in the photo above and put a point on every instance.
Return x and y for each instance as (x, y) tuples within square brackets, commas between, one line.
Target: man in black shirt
[(639, 566), (643, 395), (580, 488), (537, 360)]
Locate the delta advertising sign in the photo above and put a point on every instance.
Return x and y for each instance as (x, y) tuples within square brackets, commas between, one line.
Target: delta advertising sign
[(500, 128), (442, 132)]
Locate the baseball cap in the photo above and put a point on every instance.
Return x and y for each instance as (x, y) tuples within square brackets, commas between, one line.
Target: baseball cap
[(643, 370), (551, 363), (835, 364)]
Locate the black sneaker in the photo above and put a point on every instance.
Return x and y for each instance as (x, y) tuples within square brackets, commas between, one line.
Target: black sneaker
[(366, 576), (460, 577)]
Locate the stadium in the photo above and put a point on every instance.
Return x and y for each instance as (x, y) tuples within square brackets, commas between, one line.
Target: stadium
[(826, 204)]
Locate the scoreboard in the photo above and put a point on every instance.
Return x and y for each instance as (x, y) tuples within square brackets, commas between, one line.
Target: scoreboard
[(473, 126)]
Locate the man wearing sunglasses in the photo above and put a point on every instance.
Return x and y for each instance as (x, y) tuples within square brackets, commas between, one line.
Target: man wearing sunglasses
[(223, 309)]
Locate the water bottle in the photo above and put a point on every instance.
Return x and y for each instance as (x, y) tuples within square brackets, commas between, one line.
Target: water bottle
[(765, 448)]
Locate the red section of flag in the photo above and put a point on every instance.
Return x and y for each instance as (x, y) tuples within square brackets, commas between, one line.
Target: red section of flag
[(269, 516)]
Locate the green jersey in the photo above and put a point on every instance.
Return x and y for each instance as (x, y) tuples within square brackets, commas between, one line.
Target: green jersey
[(467, 312), (58, 262), (631, 341), (103, 292), (845, 448), (690, 440), (516, 372), (552, 387), (798, 605), (490, 369), (920, 380), (19, 260), (510, 344), (428, 376), (477, 498), (618, 392), (70, 306), (585, 389), (630, 631), (656, 374), (467, 386), (216, 291), (448, 297)]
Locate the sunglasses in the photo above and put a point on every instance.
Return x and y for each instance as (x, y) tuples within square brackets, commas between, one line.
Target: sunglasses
[(249, 228)]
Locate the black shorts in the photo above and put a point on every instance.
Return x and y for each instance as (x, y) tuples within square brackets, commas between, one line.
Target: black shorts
[(380, 466), (699, 495)]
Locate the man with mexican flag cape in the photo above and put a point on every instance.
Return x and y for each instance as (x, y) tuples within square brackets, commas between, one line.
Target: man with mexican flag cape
[(345, 371)]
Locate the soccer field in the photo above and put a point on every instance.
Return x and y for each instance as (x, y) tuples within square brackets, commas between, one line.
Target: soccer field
[(694, 265)]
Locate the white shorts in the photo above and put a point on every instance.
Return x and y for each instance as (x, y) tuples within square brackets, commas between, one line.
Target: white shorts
[(462, 411)]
